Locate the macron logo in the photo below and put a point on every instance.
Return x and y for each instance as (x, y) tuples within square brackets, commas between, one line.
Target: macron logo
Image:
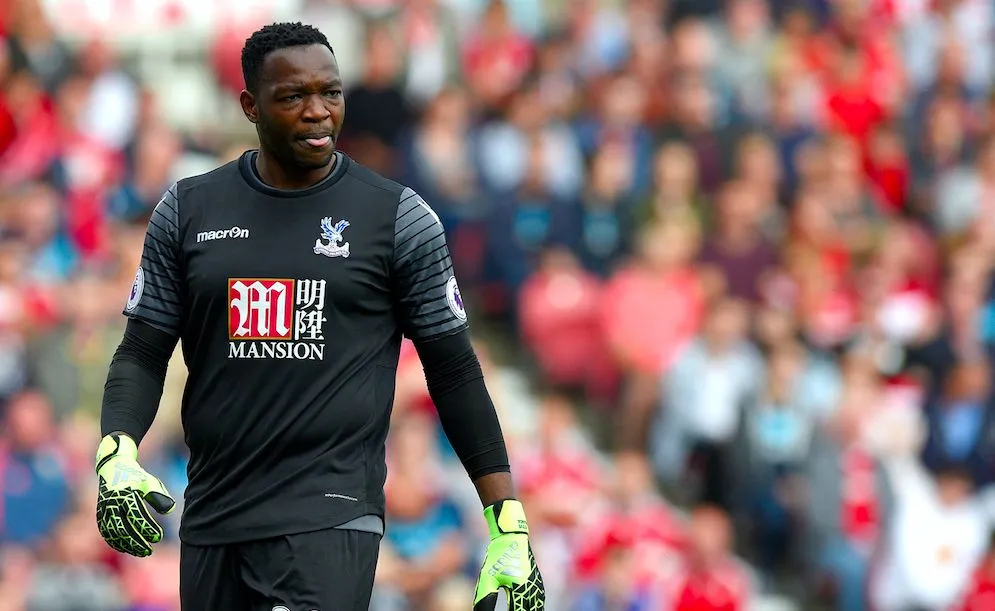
[(221, 234)]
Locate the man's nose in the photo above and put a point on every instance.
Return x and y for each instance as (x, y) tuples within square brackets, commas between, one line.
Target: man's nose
[(315, 109)]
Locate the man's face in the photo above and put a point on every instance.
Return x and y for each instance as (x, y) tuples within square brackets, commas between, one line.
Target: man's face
[(299, 107)]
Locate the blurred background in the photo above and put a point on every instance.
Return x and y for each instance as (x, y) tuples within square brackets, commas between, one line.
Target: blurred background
[(729, 264)]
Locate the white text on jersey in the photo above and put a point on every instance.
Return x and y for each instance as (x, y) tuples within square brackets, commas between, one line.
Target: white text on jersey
[(221, 234), (261, 310)]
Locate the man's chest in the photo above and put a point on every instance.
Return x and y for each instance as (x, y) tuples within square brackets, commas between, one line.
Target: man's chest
[(280, 272)]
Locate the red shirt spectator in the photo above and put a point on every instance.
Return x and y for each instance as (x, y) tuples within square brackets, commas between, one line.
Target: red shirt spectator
[(42, 306), (852, 103), (568, 469), (649, 317), (566, 477), (888, 169), (560, 320), (35, 146), (862, 72), (721, 589), (497, 57), (226, 57), (711, 580), (638, 519), (652, 531), (90, 170), (559, 473)]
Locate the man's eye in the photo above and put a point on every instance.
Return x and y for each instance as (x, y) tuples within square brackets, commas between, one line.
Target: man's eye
[(334, 93), (291, 98)]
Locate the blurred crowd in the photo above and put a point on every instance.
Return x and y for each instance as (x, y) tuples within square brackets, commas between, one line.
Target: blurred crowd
[(730, 263)]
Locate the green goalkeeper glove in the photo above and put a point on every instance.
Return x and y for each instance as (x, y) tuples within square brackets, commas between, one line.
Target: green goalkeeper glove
[(123, 520), (509, 563)]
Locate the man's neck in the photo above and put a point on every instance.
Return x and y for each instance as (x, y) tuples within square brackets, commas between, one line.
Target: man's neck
[(273, 174)]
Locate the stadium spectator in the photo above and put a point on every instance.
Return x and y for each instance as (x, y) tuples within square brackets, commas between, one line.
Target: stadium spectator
[(737, 248), (634, 527), (710, 578), (36, 494), (780, 426), (847, 494), (560, 321), (713, 380)]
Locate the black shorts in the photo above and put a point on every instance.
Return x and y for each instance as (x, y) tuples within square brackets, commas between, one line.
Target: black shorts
[(326, 570)]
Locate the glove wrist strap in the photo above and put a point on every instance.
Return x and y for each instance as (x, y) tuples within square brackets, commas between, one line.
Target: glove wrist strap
[(506, 517), (116, 444)]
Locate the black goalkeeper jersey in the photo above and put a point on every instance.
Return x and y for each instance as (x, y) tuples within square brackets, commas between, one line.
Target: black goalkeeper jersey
[(290, 307)]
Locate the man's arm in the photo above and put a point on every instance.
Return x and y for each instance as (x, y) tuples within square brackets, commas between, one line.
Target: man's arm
[(155, 311), (467, 414), (431, 313), (134, 387), (135, 380)]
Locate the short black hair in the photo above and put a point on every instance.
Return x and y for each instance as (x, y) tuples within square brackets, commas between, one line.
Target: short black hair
[(274, 37)]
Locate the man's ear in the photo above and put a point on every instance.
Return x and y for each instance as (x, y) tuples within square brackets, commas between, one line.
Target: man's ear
[(248, 102)]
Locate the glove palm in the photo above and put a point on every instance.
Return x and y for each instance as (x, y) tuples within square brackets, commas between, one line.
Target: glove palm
[(509, 563), (123, 519)]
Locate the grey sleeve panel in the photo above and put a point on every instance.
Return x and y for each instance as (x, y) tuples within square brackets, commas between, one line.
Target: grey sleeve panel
[(157, 295), (427, 297)]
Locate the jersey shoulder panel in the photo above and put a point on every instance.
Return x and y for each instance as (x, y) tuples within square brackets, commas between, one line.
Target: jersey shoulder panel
[(219, 179), (219, 176), (363, 175)]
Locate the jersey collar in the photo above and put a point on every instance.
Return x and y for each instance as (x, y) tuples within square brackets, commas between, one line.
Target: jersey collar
[(247, 167)]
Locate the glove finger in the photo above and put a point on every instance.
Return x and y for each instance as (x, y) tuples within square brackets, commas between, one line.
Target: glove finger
[(125, 546), (155, 494), (162, 503), (145, 525), (118, 532), (528, 596), (531, 595), (108, 534)]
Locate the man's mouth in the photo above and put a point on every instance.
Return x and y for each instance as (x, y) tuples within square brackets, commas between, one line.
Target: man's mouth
[(318, 140)]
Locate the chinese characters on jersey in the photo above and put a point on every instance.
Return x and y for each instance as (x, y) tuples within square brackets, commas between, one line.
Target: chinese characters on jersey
[(276, 318)]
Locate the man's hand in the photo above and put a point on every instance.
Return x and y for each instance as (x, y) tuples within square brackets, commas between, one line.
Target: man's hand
[(123, 520), (509, 563)]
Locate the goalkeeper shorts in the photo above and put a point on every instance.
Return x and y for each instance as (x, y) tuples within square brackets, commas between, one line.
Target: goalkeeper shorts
[(324, 570)]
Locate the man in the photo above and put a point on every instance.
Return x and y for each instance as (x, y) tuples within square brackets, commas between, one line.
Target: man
[(289, 276)]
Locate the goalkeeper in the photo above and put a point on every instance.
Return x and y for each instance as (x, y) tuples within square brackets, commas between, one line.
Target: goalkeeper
[(289, 277)]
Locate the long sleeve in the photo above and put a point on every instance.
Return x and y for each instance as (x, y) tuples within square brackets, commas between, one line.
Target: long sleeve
[(156, 312), (135, 380), (432, 314)]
